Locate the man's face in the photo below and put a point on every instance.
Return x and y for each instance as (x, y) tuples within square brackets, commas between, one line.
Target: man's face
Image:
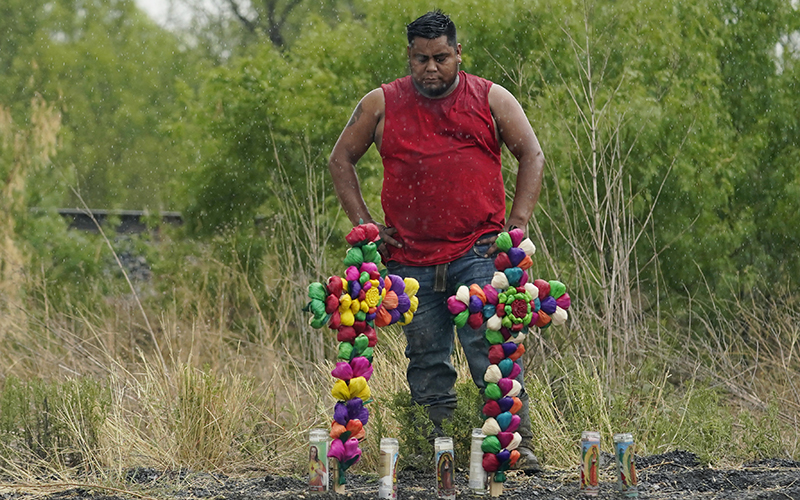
[(434, 65)]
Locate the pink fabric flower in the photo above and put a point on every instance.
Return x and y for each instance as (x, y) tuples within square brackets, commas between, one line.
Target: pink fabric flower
[(346, 453), (343, 371), (361, 367)]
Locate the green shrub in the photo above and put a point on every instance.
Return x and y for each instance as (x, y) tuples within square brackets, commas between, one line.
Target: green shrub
[(762, 435), (415, 427), (416, 451), (466, 417), (55, 422)]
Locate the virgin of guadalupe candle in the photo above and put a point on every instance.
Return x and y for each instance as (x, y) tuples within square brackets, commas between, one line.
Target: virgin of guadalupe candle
[(590, 463), (626, 465), (445, 468)]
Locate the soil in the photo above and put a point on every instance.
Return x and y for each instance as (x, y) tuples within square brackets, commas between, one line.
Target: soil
[(676, 475)]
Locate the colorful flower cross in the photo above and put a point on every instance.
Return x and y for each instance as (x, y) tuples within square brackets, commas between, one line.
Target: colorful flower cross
[(353, 306), (509, 306)]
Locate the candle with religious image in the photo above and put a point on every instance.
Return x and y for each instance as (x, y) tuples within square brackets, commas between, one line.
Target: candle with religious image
[(445, 468), (590, 463), (626, 465), (318, 460)]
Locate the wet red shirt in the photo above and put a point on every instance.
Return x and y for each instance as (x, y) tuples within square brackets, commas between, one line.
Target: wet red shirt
[(442, 185)]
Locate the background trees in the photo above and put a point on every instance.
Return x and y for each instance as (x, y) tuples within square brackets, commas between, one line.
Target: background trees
[(112, 73), (690, 108)]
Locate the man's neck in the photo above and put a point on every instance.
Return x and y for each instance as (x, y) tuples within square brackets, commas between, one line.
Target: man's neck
[(449, 90)]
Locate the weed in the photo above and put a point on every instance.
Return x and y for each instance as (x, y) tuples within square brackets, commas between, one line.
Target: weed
[(467, 416), (763, 435), (58, 422), (415, 450)]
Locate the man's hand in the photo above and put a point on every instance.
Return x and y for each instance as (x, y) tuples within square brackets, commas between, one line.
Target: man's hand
[(387, 238), (491, 239)]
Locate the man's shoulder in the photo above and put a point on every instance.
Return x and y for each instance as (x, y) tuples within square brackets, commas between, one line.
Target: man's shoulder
[(475, 79), (374, 101), (398, 90), (399, 83)]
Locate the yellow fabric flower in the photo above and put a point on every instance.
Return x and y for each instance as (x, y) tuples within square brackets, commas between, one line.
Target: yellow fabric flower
[(412, 286), (373, 297), (340, 390), (348, 318), (407, 317), (359, 389), (344, 303)]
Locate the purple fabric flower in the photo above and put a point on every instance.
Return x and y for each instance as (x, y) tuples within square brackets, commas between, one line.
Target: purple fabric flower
[(356, 410), (340, 413), (398, 285), (549, 305), (396, 315), (516, 255), (403, 303), (475, 304)]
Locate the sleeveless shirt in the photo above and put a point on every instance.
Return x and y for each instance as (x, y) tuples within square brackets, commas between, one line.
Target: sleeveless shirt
[(443, 184)]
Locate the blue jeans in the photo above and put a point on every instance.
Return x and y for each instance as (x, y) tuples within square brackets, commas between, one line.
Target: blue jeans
[(430, 340)]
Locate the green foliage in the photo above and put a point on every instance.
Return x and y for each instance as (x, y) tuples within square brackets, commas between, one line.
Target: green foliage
[(66, 256), (763, 433), (671, 132), (691, 103), (77, 267), (467, 416), (264, 120), (57, 422), (112, 73), (415, 450)]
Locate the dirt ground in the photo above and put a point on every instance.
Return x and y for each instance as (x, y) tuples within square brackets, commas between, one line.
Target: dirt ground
[(672, 476)]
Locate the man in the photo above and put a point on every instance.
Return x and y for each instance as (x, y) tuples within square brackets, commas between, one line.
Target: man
[(439, 132)]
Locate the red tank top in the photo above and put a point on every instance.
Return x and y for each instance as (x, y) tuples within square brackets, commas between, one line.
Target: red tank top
[(442, 184)]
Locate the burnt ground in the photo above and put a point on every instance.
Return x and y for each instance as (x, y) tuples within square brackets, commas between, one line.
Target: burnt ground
[(676, 475)]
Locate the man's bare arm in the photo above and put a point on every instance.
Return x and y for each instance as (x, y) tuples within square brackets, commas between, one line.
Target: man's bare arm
[(516, 132), (354, 141)]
